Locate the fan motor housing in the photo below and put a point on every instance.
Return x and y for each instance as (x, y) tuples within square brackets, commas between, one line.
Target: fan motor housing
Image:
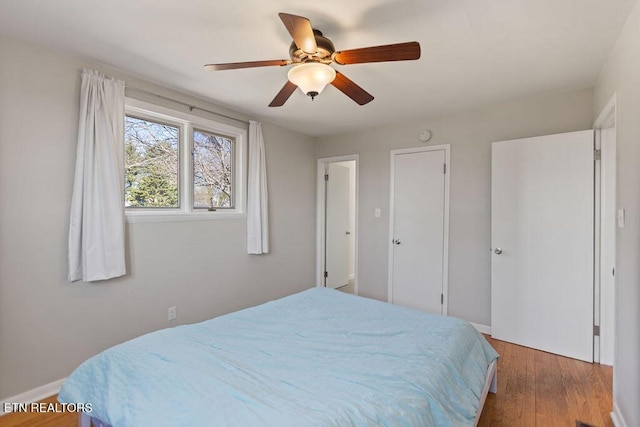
[(324, 53)]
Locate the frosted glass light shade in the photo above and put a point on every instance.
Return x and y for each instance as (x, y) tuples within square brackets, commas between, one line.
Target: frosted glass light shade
[(311, 77)]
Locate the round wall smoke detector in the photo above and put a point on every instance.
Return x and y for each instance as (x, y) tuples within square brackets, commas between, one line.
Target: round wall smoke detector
[(424, 136)]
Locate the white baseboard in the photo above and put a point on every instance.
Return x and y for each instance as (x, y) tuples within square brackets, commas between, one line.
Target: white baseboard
[(34, 395), (617, 418), (483, 329)]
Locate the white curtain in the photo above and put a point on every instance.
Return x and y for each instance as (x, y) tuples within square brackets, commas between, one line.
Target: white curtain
[(257, 205), (96, 225)]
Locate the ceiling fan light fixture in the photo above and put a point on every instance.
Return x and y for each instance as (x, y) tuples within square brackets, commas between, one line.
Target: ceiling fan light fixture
[(311, 77)]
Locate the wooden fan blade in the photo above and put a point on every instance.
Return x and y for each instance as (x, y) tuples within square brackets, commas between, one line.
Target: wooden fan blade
[(283, 95), (251, 64), (352, 90), (391, 52), (301, 31)]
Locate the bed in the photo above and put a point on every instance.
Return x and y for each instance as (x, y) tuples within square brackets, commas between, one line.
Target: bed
[(317, 358)]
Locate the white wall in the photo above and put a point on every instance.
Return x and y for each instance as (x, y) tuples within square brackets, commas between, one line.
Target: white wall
[(621, 75), (47, 325), (351, 165), (470, 134)]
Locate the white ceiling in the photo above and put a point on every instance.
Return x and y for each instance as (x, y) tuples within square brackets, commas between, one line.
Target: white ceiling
[(474, 52)]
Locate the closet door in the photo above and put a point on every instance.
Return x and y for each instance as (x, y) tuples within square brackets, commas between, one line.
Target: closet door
[(419, 211), (542, 242)]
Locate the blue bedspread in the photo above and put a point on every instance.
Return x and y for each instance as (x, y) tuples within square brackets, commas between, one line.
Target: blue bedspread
[(317, 358)]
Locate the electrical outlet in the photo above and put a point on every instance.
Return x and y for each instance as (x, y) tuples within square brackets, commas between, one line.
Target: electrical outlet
[(172, 313)]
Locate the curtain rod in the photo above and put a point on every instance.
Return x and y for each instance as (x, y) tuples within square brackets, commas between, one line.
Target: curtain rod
[(191, 107)]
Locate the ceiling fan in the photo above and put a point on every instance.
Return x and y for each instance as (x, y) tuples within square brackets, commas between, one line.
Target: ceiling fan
[(311, 53)]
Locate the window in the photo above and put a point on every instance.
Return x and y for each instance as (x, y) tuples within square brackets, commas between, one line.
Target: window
[(212, 170), (151, 151), (163, 183)]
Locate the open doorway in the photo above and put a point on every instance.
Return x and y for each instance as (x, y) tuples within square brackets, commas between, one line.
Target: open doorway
[(337, 223)]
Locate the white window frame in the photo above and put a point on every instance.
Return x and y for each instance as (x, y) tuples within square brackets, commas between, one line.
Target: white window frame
[(186, 123)]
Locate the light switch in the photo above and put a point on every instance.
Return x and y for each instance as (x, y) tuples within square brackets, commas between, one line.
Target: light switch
[(376, 213), (620, 218)]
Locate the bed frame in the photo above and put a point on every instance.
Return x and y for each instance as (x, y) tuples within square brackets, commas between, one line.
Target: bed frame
[(490, 385)]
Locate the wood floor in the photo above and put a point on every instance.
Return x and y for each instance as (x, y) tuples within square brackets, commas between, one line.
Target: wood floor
[(534, 389), (541, 389)]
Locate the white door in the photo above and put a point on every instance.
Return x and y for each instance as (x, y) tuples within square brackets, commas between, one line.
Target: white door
[(337, 226), (542, 211), (418, 220)]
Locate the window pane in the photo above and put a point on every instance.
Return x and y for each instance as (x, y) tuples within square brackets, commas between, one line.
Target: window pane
[(212, 170), (151, 164)]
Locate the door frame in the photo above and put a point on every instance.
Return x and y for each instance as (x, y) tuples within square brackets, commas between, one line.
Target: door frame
[(604, 345), (445, 245), (320, 217)]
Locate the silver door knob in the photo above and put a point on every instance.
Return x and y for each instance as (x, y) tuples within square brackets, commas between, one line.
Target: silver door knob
[(497, 251), (396, 241)]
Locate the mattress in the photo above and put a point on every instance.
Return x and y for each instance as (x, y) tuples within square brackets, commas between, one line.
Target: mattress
[(317, 358)]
